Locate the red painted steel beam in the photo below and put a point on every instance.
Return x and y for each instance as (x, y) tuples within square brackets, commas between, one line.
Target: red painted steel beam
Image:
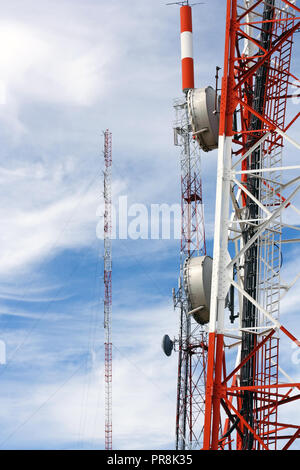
[(292, 439), (281, 402), (246, 36), (285, 425), (257, 388), (244, 361), (292, 337), (278, 20), (230, 418), (246, 424), (267, 56), (291, 5), (217, 392), (270, 124), (249, 10), (264, 398)]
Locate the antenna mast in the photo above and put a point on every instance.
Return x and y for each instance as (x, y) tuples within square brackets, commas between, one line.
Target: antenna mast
[(108, 287), (192, 337)]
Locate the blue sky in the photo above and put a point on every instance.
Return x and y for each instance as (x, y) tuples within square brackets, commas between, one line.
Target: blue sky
[(70, 69)]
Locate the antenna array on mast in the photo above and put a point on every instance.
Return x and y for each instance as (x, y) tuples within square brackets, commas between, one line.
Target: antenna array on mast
[(192, 338)]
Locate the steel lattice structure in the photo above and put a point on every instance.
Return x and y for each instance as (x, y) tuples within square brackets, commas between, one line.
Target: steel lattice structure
[(108, 287), (192, 342), (243, 404), (192, 338)]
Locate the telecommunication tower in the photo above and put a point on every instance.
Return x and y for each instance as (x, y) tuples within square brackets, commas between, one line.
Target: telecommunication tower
[(244, 404), (192, 341), (108, 287), (234, 297)]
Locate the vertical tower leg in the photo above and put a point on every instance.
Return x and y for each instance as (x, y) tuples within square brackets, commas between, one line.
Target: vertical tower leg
[(220, 284)]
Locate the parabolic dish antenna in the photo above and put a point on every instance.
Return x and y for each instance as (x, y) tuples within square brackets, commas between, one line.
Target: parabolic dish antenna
[(204, 117), (197, 283), (167, 345)]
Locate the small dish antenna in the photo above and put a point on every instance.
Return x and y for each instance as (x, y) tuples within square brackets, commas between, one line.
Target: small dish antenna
[(167, 345)]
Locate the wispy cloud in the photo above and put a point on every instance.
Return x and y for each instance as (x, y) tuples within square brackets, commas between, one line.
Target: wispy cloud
[(68, 70)]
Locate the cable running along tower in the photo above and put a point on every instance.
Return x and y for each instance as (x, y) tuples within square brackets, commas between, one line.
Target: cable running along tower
[(232, 389), (108, 287)]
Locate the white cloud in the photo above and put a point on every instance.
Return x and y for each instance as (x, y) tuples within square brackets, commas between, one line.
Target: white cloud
[(66, 406), (39, 66), (30, 235)]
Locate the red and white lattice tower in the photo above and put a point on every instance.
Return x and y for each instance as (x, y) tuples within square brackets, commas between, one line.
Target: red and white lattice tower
[(192, 341), (245, 402), (242, 394), (108, 287)]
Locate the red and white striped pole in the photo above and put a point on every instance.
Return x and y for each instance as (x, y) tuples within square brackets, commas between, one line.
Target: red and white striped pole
[(187, 59)]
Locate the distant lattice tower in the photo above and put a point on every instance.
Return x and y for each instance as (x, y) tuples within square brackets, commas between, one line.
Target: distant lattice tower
[(108, 287)]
